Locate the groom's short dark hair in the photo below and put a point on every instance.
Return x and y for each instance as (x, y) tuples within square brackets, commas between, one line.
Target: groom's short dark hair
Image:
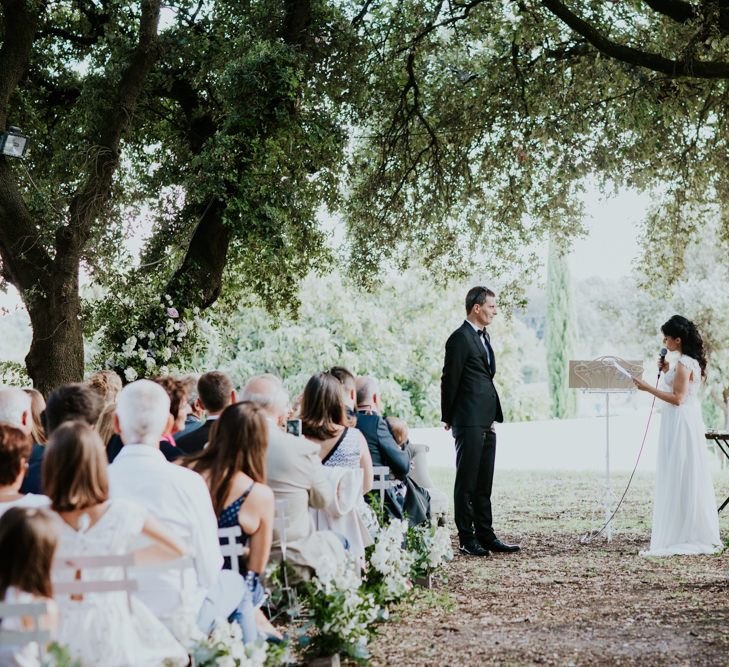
[(477, 295)]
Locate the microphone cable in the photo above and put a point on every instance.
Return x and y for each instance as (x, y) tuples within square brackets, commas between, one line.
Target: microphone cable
[(589, 536)]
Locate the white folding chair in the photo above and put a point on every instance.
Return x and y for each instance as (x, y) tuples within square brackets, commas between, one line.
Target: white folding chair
[(33, 610), (77, 585), (181, 564), (229, 547), (382, 481), (279, 525)]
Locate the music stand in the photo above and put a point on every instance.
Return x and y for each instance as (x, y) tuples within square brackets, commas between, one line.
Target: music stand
[(603, 376)]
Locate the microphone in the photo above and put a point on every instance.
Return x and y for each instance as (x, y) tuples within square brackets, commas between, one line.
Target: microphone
[(662, 359)]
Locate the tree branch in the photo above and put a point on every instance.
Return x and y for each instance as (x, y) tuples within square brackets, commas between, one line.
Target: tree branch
[(20, 26), (23, 256), (362, 13), (691, 68), (678, 10), (93, 195)]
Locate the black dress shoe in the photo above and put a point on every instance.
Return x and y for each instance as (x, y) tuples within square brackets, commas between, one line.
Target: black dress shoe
[(473, 548), (498, 545)]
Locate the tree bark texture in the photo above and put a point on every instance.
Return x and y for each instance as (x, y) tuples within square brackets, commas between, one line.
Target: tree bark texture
[(48, 279)]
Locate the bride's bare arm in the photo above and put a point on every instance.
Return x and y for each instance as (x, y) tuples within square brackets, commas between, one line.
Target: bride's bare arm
[(680, 387)]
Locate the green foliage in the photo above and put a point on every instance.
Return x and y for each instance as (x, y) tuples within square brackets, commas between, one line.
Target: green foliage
[(431, 546), (396, 334), (341, 610), (13, 374), (560, 334), (58, 655)]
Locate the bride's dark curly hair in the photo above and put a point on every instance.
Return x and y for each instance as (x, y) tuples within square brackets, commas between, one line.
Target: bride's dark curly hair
[(692, 345)]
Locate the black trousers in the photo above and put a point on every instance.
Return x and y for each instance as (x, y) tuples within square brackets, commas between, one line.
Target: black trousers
[(475, 456)]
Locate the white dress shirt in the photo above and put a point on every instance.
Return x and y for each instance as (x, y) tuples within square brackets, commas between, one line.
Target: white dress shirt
[(482, 339), (180, 499)]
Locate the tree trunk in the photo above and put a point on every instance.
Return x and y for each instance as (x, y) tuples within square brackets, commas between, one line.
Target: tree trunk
[(56, 353)]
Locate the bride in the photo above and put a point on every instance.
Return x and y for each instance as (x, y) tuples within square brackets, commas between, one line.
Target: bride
[(685, 520)]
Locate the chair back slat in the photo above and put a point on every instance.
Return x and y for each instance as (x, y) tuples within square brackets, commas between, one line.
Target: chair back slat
[(21, 637), (15, 609), (182, 563), (279, 525), (91, 562), (80, 586), (229, 547), (382, 481)]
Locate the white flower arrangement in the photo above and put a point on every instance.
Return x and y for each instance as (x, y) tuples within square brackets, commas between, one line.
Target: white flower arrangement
[(341, 609), (147, 352), (431, 548), (391, 561), (224, 647), (440, 549)]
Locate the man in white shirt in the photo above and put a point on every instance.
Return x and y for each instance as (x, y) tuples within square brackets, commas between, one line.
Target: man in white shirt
[(296, 475), (180, 499)]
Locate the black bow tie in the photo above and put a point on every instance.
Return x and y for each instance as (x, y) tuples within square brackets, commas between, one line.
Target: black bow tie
[(484, 334)]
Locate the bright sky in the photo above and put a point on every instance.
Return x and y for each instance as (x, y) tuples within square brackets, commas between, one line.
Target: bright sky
[(611, 246)]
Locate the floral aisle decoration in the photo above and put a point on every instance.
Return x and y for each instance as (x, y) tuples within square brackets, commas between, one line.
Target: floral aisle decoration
[(165, 337), (389, 565), (58, 655), (342, 612), (224, 647), (430, 547)]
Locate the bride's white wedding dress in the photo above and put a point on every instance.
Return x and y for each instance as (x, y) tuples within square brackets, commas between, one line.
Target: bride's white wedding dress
[(685, 519)]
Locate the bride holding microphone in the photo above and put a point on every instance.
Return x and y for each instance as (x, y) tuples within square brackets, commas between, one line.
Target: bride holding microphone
[(685, 519)]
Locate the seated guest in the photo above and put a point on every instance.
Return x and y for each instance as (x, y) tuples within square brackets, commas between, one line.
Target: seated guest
[(15, 449), (178, 410), (406, 500), (107, 384), (215, 393), (419, 469), (196, 415), (74, 470), (399, 430), (298, 481), (16, 409), (72, 402), (323, 418), (179, 498), (105, 426), (37, 406), (234, 467), (28, 540)]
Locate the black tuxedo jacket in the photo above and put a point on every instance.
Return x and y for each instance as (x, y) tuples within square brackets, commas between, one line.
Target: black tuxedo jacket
[(467, 392), (194, 441)]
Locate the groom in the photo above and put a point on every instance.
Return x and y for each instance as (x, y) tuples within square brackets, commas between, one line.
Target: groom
[(470, 406)]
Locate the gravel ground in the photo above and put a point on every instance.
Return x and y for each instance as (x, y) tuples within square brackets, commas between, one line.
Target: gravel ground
[(560, 602)]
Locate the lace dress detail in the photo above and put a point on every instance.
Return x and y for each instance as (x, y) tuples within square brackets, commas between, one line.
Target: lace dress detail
[(685, 520), (101, 629)]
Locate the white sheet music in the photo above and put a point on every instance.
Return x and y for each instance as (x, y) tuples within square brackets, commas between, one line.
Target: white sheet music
[(622, 370)]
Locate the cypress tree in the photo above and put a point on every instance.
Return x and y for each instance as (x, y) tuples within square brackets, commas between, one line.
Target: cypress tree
[(560, 334)]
